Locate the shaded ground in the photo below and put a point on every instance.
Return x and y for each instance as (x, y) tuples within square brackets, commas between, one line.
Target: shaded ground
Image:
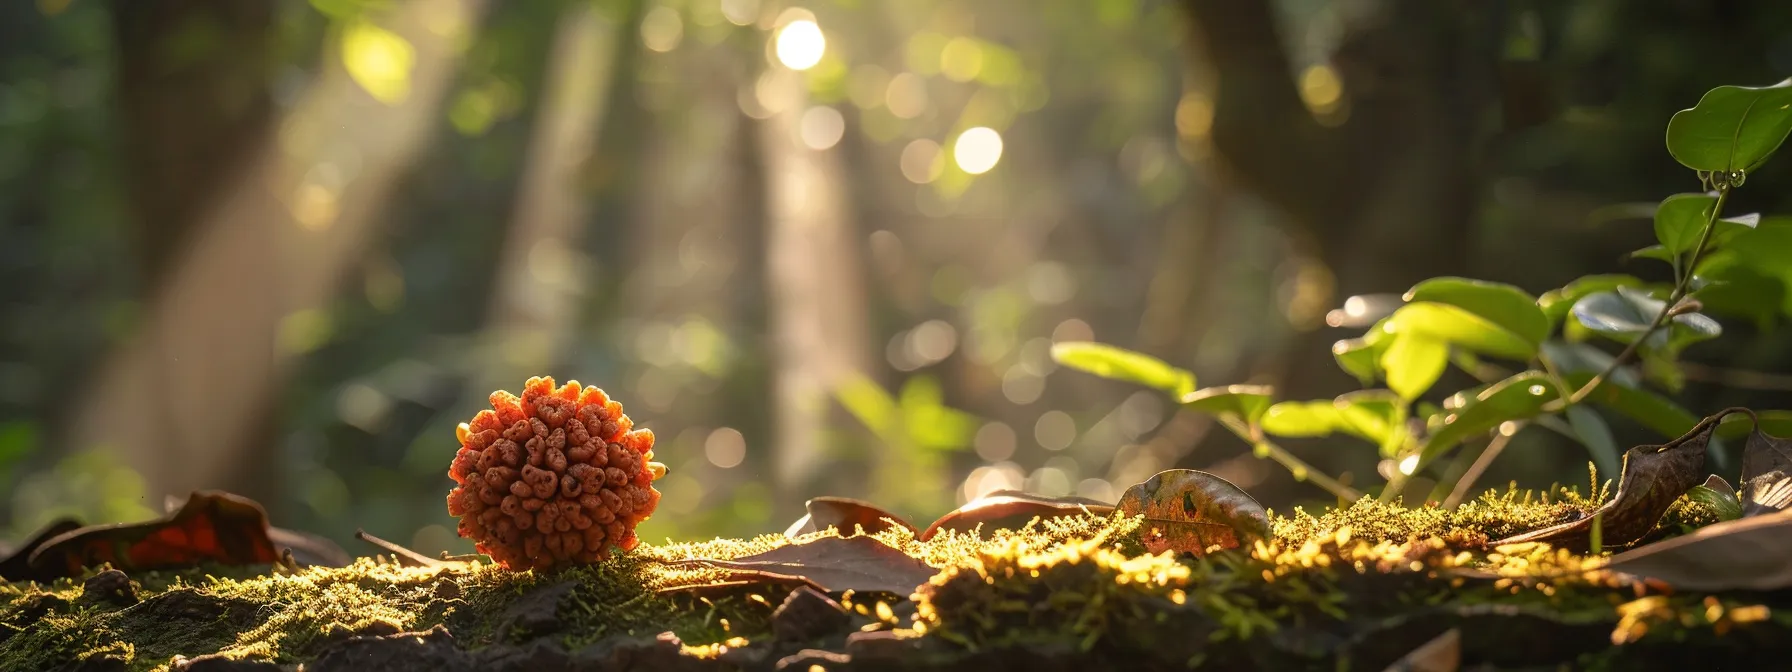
[(1067, 594)]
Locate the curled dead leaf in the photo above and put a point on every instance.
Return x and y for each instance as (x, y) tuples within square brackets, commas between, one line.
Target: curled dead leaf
[(1010, 509), (1191, 511), (832, 564), (845, 514), (210, 526), (1652, 478), (1766, 466)]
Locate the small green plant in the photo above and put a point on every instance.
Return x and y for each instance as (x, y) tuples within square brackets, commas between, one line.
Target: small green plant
[(1734, 267)]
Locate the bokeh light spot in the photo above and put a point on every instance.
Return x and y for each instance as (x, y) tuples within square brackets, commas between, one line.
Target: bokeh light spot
[(822, 127), (977, 150), (801, 44), (661, 29), (725, 448), (961, 59), (906, 95), (921, 161), (1054, 430)]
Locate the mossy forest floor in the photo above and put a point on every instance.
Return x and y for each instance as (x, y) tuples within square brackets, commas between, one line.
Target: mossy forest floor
[(1358, 588)]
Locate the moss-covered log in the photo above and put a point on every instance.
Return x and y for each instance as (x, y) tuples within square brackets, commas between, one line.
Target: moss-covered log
[(1357, 588)]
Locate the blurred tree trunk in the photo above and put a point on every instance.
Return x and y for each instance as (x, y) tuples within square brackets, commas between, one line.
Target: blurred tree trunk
[(816, 290), (194, 109), (542, 278), (186, 400), (1387, 195), (194, 104)]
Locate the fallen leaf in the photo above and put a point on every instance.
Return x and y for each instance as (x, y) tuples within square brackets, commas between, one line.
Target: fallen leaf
[(1191, 511), (1653, 477), (1768, 493), (16, 566), (1443, 654), (211, 526), (1009, 509), (1766, 461), (1747, 554), (834, 564), (844, 514)]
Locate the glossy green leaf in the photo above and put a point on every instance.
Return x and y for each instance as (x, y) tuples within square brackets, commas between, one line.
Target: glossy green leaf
[(1413, 362), (1461, 328), (1557, 302), (1516, 398), (1121, 364), (1724, 504), (1584, 358), (1648, 409), (1680, 221), (1243, 402), (1300, 419), (1591, 431), (1358, 357), (1374, 415), (1732, 128), (1505, 305), (1625, 314)]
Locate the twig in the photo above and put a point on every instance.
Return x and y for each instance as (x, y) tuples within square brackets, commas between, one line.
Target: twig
[(1302, 471), (405, 556), (1667, 309), (1494, 448)]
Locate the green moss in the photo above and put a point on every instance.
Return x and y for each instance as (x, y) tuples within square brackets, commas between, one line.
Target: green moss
[(1345, 578)]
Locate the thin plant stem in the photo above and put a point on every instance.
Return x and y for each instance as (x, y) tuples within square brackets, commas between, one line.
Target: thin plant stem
[(1667, 309), (1302, 471), (1494, 448)]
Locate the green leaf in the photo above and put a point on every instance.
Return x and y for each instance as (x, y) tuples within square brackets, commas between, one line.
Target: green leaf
[(1681, 219), (1592, 432), (1374, 415), (1581, 357), (1359, 357), (869, 403), (1626, 314), (1732, 128), (1300, 419), (1243, 402), (1459, 327), (1557, 302), (929, 422), (1724, 504), (1765, 250), (1413, 362), (1648, 409), (1516, 398), (1504, 305), (1121, 364), (1656, 252)]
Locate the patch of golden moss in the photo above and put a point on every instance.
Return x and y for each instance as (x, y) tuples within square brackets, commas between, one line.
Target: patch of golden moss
[(1080, 592), (1076, 580)]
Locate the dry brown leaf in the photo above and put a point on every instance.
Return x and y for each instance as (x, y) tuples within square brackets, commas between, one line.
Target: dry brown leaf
[(1009, 509), (1653, 477), (1747, 554), (1192, 511), (846, 515), (834, 564)]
